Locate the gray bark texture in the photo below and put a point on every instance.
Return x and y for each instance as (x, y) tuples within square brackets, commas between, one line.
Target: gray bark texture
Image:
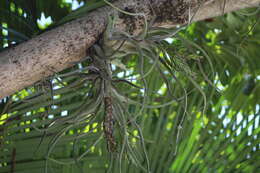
[(57, 49)]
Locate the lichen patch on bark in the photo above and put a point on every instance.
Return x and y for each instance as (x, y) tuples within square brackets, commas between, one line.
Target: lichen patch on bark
[(173, 11)]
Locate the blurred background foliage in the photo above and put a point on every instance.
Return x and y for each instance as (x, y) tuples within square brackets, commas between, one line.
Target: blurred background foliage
[(198, 105)]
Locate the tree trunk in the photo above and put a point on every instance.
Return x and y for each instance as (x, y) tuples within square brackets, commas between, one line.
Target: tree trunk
[(57, 49)]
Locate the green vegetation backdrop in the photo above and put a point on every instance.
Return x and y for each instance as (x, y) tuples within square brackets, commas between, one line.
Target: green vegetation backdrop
[(188, 103)]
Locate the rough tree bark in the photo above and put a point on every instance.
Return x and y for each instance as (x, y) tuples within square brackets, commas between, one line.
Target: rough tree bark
[(55, 50)]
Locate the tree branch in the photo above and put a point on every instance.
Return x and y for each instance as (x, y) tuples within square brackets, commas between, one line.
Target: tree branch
[(57, 49)]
